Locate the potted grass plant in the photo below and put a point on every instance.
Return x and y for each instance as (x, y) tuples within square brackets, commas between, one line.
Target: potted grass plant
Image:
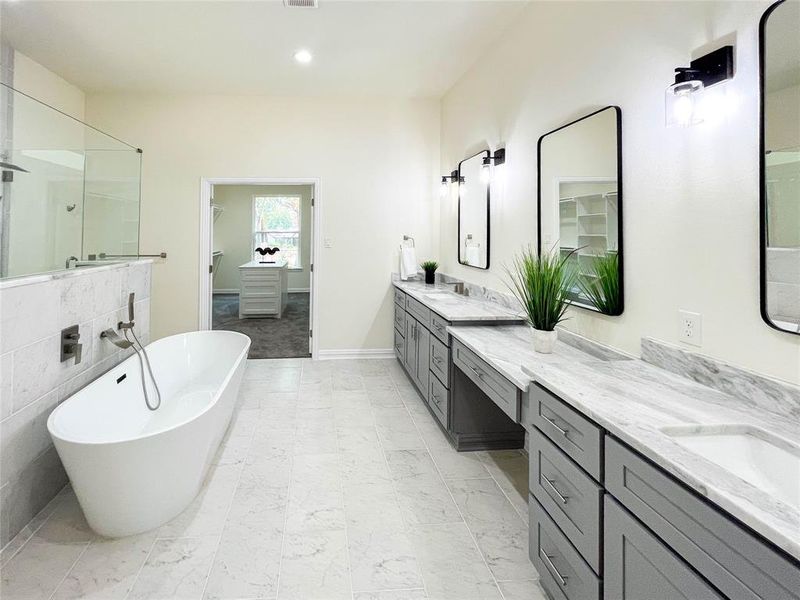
[(430, 266), (542, 283), (601, 287)]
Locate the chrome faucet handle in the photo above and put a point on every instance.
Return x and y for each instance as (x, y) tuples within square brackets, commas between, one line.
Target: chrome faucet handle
[(70, 346)]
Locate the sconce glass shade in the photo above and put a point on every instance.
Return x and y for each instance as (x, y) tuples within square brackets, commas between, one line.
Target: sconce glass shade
[(486, 170), (443, 189), (682, 103)]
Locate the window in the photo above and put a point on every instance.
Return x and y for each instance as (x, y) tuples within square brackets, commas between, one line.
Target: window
[(276, 222)]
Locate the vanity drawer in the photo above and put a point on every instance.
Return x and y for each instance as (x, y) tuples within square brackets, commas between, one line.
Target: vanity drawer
[(438, 399), (399, 345), (440, 361), (439, 328), (502, 392), (734, 560), (400, 298), (576, 435), (259, 275), (420, 312), (562, 571), (571, 498), (399, 318)]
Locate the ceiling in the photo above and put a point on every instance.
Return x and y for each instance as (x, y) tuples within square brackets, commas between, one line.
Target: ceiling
[(377, 48)]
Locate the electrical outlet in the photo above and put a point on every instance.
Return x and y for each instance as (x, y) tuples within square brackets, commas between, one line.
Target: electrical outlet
[(690, 327), (328, 242)]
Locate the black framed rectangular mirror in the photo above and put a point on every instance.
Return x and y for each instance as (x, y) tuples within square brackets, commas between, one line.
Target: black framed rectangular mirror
[(779, 203), (473, 212), (580, 206)]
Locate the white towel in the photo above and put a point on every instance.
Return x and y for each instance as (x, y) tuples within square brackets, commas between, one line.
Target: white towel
[(474, 255), (408, 262)]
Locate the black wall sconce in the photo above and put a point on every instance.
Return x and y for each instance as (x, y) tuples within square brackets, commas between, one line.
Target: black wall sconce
[(496, 159), (703, 72), (447, 180)]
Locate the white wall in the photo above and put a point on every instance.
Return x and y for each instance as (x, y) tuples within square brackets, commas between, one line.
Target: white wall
[(233, 232), (378, 164), (690, 195)]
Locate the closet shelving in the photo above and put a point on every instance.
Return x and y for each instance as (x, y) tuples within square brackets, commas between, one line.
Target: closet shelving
[(587, 227)]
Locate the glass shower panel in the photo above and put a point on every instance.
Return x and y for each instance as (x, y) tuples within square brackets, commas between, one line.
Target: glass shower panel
[(68, 190), (111, 204)]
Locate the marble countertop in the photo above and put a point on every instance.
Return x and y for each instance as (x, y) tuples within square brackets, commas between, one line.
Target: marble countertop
[(260, 265), (635, 401), (508, 347), (455, 307)]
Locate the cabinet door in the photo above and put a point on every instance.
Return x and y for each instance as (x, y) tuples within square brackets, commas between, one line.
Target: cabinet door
[(411, 346), (423, 358), (638, 566)]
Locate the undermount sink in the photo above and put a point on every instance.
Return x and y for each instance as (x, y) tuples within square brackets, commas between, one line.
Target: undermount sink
[(441, 296), (766, 461)]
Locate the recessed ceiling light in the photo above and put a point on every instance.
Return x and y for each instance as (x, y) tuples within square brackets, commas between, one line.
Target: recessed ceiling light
[(303, 57)]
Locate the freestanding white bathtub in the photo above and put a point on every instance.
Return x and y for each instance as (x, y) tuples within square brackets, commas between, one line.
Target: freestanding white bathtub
[(133, 469)]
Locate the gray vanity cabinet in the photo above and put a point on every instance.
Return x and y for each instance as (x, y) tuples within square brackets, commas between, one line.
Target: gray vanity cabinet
[(425, 352), (410, 355), (417, 340), (599, 507), (640, 567)]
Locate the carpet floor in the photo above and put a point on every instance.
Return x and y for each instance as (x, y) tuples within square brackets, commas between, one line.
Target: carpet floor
[(286, 337)]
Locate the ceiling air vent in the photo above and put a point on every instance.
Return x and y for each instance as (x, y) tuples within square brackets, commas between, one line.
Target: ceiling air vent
[(301, 3)]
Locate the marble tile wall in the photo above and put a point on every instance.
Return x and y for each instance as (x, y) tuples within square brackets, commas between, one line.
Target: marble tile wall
[(33, 381)]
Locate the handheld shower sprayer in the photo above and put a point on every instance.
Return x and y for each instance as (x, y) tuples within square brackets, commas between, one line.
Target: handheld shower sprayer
[(124, 343)]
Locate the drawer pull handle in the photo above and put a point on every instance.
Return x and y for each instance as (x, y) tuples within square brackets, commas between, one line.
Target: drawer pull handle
[(548, 562), (551, 484), (553, 423), (477, 372), (437, 359)]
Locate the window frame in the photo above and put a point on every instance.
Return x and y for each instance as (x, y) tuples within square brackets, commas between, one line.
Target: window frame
[(299, 197)]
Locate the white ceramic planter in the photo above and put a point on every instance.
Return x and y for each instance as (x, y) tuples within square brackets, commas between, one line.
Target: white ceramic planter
[(544, 341)]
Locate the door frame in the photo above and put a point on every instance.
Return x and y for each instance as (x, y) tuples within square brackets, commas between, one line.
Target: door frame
[(205, 288)]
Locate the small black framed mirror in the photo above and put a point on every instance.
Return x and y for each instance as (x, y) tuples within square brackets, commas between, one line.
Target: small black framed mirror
[(580, 206), (473, 212), (779, 203)]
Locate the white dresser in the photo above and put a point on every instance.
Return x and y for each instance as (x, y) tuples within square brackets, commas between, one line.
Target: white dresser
[(263, 289)]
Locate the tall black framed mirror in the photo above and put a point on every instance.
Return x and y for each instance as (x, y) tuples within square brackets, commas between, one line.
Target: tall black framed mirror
[(779, 57), (580, 206), (473, 212)]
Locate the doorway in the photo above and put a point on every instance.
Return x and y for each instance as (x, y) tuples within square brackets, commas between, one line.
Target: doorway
[(257, 262)]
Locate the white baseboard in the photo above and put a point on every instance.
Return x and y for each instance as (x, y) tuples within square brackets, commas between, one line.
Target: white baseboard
[(299, 290), (362, 353)]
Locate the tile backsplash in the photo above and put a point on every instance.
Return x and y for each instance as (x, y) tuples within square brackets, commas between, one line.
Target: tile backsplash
[(33, 311)]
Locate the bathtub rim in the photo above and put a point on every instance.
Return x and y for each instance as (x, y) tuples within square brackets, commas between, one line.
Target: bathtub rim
[(223, 385)]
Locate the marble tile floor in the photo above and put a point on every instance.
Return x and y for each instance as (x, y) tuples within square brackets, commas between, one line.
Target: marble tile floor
[(334, 481)]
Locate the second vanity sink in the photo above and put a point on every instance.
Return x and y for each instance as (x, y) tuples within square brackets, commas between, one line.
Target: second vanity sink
[(766, 461), (441, 296)]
